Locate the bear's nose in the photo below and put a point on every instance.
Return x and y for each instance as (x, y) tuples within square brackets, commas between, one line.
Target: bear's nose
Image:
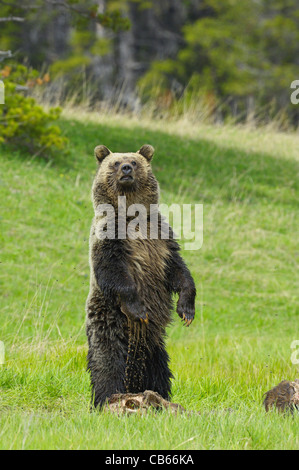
[(127, 169)]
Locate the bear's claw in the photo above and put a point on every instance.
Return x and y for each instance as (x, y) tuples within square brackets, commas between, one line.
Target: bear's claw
[(144, 320), (187, 321)]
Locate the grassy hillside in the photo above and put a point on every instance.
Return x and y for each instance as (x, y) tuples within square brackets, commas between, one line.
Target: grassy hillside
[(246, 275)]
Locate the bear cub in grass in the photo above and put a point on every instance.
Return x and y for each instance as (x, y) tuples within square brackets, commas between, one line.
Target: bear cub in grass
[(132, 280)]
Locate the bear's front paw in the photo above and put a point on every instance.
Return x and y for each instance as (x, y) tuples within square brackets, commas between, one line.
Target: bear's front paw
[(186, 309), (134, 310)]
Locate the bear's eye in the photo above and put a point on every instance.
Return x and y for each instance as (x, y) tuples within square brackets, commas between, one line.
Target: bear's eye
[(116, 164), (134, 163)]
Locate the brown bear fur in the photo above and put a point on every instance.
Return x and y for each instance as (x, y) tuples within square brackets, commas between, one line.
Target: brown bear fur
[(283, 397), (131, 285)]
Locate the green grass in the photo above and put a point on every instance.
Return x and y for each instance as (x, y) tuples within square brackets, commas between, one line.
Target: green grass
[(246, 275)]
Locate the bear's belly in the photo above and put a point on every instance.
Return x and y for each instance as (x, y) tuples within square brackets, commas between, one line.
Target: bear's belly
[(147, 266), (148, 258)]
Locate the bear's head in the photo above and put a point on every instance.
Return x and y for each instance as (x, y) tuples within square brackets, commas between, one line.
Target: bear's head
[(125, 174)]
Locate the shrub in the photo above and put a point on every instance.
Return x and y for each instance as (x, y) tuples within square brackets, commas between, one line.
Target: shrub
[(24, 123)]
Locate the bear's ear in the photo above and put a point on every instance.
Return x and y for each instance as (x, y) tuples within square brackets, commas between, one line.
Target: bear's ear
[(147, 151), (101, 152)]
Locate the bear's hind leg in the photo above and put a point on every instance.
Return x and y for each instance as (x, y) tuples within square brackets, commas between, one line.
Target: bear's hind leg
[(107, 354), (157, 375), (107, 377)]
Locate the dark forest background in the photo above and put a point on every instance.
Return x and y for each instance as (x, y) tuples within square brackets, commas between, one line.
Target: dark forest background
[(238, 58)]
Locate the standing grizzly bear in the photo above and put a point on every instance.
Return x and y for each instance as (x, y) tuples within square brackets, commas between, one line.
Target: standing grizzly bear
[(131, 283)]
